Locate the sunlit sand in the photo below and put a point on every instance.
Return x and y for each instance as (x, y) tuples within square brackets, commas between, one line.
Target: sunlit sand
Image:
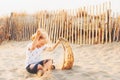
[(92, 62)]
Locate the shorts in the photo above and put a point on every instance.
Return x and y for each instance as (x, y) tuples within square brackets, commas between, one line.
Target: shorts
[(34, 69)]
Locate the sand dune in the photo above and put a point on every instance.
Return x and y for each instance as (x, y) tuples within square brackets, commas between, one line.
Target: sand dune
[(92, 62)]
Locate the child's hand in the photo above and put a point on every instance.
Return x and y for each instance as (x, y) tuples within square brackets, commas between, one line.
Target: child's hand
[(38, 32)]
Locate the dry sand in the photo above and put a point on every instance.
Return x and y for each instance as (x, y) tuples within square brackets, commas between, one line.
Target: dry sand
[(92, 62)]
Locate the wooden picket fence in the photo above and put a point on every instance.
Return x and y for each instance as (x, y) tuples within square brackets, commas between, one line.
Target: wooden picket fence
[(86, 25)]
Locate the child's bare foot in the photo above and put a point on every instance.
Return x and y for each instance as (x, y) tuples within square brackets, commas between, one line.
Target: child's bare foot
[(40, 73), (52, 67)]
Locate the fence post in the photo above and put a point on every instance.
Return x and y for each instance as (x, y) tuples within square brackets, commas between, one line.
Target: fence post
[(90, 26), (67, 27), (78, 26), (93, 24), (81, 26), (96, 25), (109, 21), (117, 28)]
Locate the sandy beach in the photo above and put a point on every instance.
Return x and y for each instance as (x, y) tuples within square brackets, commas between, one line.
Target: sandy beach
[(92, 62)]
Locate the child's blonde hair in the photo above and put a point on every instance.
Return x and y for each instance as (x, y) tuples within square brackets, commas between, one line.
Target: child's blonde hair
[(43, 34)]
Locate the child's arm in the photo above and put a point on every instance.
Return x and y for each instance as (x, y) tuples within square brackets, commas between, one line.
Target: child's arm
[(53, 47)]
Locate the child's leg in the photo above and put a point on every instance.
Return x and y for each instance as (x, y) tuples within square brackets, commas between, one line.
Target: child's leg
[(48, 65), (32, 68)]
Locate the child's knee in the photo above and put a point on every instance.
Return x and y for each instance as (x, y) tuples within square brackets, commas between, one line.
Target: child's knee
[(39, 67)]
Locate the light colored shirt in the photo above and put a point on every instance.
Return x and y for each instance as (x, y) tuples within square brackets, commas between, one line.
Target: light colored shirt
[(33, 57)]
